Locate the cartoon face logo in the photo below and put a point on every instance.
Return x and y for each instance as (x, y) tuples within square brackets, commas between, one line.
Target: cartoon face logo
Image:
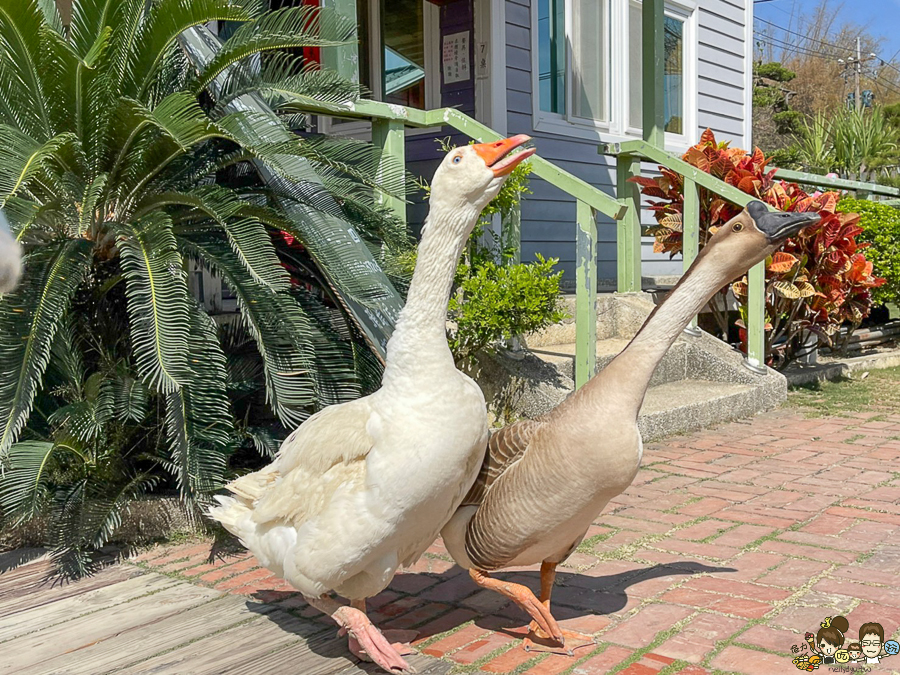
[(871, 645), (842, 656), (892, 647)]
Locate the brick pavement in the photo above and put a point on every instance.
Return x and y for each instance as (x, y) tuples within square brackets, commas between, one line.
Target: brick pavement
[(730, 545)]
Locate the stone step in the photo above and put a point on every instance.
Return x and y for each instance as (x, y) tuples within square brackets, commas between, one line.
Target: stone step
[(672, 368), (685, 405)]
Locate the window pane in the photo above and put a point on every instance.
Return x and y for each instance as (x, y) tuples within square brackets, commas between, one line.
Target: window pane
[(404, 52), (674, 77), (552, 55), (673, 94), (589, 59)]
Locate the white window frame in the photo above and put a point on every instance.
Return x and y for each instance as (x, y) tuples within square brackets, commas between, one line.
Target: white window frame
[(616, 128), (431, 25)]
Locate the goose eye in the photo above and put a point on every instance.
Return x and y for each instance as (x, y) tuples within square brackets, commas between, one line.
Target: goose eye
[(457, 159), (738, 227)]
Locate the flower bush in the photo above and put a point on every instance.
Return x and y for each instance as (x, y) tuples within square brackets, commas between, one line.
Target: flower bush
[(820, 280)]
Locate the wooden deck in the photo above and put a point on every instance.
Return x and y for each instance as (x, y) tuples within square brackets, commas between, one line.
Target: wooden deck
[(131, 621)]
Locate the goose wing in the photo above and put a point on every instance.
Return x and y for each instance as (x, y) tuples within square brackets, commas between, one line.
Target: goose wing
[(505, 447), (324, 454)]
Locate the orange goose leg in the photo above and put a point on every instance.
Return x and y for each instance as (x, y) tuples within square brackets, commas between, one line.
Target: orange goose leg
[(365, 642), (524, 598), (573, 640)]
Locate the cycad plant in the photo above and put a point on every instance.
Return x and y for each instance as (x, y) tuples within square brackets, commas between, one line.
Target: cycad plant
[(122, 163)]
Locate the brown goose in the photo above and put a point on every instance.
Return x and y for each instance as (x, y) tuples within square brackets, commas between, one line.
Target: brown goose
[(544, 481)]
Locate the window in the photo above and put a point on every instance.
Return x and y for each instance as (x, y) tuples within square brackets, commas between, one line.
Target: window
[(398, 56), (403, 39), (673, 93), (590, 59), (552, 55), (588, 67)]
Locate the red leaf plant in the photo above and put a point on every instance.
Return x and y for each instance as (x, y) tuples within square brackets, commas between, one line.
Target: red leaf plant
[(816, 283)]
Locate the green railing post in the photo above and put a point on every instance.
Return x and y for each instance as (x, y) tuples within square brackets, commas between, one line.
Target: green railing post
[(511, 232), (756, 318), (343, 59), (585, 293), (690, 242), (653, 54), (390, 138), (628, 236)]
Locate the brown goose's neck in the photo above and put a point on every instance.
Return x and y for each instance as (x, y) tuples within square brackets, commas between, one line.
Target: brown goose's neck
[(628, 375)]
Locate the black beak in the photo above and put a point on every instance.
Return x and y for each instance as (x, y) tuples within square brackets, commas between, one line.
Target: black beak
[(779, 225)]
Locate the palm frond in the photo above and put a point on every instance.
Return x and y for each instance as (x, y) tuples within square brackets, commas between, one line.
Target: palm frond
[(291, 27), (21, 157), (29, 320), (198, 416), (131, 399), (166, 20), (20, 59), (248, 236), (156, 292), (23, 485), (286, 83), (297, 358)]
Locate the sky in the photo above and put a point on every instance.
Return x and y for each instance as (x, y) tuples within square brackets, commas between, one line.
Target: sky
[(880, 17)]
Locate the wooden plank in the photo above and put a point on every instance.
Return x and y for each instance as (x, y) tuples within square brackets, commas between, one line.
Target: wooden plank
[(51, 592), (66, 609), (241, 647), (133, 646), (35, 648), (21, 556)]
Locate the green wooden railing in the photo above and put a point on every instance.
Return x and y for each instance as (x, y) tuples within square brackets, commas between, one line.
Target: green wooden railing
[(388, 122), (629, 155)]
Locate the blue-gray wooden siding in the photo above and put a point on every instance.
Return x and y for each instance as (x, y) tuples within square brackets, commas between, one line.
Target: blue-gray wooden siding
[(548, 215)]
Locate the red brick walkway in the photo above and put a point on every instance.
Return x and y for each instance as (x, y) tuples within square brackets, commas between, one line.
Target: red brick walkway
[(730, 545)]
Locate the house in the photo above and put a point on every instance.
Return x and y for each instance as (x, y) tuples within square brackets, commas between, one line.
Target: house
[(568, 73)]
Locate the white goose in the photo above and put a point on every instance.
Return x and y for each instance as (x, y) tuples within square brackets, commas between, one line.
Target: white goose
[(364, 487)]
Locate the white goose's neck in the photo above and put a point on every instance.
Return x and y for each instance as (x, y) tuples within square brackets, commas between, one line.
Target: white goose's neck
[(420, 338)]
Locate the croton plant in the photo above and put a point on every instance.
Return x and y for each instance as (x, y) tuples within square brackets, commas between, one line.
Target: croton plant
[(819, 281)]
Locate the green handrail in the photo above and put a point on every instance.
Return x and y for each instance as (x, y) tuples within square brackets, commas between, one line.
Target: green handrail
[(839, 183), (626, 152), (388, 121)]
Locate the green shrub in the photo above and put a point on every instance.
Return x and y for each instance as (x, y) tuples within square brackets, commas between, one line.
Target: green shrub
[(788, 121), (775, 71), (881, 229), (496, 302), (763, 97)]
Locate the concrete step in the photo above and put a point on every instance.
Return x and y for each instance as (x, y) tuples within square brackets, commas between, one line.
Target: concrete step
[(700, 381), (685, 405), (672, 368)]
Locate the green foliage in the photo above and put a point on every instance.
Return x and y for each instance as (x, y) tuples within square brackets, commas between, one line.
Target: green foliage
[(496, 302), (774, 71), (788, 121), (123, 168), (786, 158), (853, 143), (881, 230), (764, 97)]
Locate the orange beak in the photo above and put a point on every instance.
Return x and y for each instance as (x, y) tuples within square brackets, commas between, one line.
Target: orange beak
[(496, 154)]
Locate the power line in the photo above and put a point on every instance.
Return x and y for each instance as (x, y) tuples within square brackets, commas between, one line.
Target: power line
[(801, 35), (783, 44)]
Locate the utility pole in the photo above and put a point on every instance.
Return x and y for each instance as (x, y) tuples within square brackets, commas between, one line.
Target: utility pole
[(859, 68)]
